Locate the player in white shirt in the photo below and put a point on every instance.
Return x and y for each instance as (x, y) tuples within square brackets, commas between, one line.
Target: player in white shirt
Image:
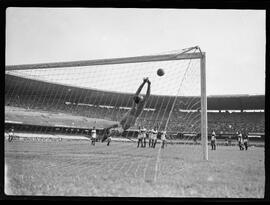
[(139, 137), (240, 141), (150, 138), (213, 140), (143, 137), (11, 134), (154, 137), (93, 135), (163, 139)]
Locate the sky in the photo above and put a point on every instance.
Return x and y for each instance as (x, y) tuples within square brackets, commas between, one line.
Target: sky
[(233, 40)]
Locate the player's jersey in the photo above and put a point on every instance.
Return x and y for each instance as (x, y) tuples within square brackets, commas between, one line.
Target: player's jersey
[(143, 133), (154, 134), (150, 134), (140, 135), (93, 134), (163, 136), (241, 140), (11, 133), (239, 137)]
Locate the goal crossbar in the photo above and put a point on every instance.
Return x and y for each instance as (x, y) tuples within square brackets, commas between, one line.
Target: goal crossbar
[(137, 59)]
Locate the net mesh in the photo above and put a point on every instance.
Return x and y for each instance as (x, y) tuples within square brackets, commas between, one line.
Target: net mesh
[(82, 91)]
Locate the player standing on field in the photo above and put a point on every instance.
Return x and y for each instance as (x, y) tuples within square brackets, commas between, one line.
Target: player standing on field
[(245, 140), (11, 134), (109, 139), (139, 137), (213, 140), (149, 138), (163, 139), (93, 136), (154, 139), (240, 141), (143, 137)]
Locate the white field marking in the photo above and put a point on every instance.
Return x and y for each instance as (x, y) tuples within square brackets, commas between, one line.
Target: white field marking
[(86, 169), (7, 183), (157, 163), (131, 164), (137, 169), (15, 122), (144, 171), (122, 167), (114, 169), (145, 168)]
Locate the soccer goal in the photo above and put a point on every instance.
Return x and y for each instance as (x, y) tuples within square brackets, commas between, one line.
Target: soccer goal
[(96, 92)]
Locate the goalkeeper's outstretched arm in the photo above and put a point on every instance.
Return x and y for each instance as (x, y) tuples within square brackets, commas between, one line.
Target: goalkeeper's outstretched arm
[(141, 86), (147, 92)]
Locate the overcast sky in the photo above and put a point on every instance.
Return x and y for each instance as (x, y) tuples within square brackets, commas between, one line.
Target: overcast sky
[(234, 40)]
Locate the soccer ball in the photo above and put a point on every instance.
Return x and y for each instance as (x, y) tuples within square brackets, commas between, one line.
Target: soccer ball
[(160, 72)]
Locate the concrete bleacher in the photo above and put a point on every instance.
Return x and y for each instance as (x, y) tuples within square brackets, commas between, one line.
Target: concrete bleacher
[(50, 112)]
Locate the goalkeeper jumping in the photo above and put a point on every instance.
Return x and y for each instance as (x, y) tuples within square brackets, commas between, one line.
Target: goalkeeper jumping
[(131, 116)]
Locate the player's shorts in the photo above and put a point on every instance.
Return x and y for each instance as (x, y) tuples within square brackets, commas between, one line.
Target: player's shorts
[(128, 121)]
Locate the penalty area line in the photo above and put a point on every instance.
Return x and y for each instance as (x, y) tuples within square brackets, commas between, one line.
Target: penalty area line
[(157, 163)]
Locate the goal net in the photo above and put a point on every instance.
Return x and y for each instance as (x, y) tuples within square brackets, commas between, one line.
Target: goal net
[(103, 90)]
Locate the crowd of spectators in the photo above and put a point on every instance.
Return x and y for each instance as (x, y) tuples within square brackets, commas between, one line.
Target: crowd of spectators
[(225, 122)]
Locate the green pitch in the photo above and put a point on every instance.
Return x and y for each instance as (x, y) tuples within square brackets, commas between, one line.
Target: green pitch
[(72, 168)]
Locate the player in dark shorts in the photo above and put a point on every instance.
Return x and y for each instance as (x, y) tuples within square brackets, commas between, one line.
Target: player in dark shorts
[(245, 140), (140, 142), (11, 134), (213, 140), (240, 141), (131, 116), (109, 139)]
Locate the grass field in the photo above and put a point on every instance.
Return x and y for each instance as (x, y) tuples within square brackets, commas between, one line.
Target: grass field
[(75, 168)]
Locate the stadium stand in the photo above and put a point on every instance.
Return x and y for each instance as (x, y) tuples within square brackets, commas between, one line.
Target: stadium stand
[(224, 122)]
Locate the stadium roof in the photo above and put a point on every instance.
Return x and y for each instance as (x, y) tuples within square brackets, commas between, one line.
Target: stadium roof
[(73, 94)]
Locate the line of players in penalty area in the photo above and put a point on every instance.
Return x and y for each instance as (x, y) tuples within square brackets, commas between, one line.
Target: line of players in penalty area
[(144, 137)]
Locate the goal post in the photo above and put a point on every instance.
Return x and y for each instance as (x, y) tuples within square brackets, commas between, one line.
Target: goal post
[(204, 131), (104, 89)]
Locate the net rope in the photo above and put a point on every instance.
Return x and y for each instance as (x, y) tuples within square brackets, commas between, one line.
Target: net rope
[(178, 113)]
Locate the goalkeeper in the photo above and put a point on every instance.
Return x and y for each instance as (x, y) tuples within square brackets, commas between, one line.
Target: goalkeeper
[(131, 116)]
